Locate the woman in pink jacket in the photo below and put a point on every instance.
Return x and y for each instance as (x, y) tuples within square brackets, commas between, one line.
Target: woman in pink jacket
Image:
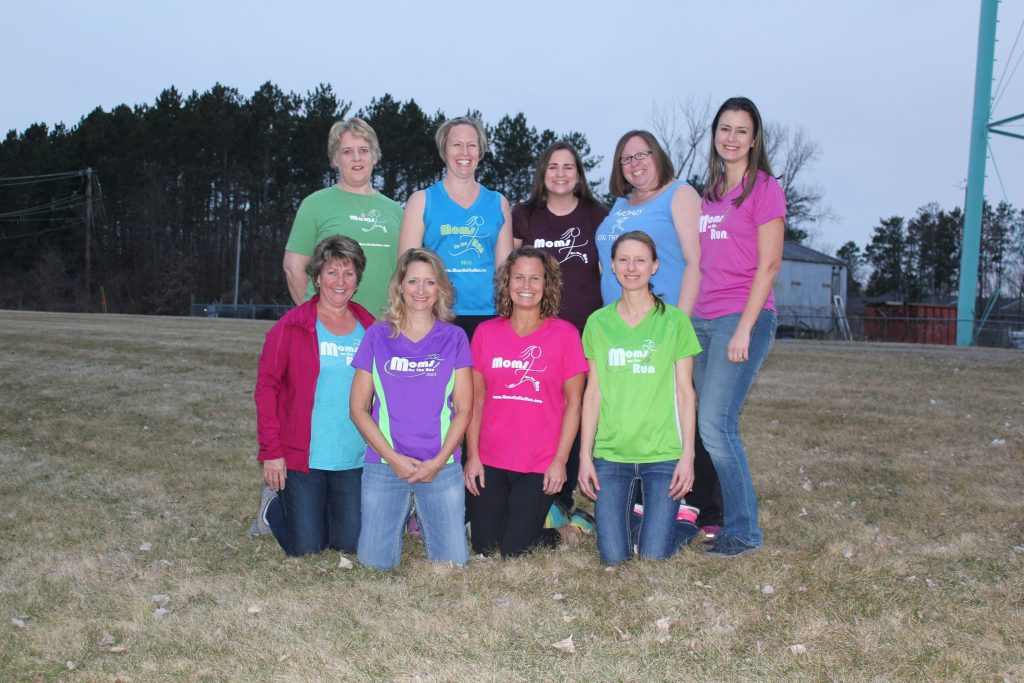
[(311, 452)]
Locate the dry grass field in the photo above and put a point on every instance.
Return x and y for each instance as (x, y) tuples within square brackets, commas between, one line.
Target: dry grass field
[(890, 476)]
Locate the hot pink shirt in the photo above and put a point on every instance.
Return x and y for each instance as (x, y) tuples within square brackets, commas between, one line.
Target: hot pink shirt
[(523, 399), (728, 246)]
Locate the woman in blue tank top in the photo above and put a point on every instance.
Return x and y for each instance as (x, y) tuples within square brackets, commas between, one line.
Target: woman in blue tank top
[(649, 198), (468, 225)]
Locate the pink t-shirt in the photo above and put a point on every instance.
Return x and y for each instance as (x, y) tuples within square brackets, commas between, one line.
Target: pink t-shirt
[(728, 246), (524, 400)]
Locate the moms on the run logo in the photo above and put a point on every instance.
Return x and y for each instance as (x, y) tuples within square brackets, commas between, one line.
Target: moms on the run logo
[(413, 366), (522, 367), (638, 361)]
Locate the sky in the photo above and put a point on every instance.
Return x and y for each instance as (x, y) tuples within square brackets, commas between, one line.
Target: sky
[(885, 87)]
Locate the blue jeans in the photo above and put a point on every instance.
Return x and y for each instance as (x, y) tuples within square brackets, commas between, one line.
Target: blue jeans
[(316, 510), (440, 508), (657, 536), (722, 387)]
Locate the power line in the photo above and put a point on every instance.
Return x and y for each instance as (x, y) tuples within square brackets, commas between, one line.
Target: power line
[(34, 234), (999, 93), (55, 205), (28, 179)]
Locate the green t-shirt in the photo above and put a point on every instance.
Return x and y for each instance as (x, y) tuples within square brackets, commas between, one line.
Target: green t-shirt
[(372, 220), (639, 421)]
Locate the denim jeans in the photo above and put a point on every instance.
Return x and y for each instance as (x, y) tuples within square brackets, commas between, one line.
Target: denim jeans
[(722, 387), (316, 510), (656, 537), (440, 509)]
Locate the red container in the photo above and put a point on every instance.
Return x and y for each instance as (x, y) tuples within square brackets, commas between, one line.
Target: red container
[(911, 323)]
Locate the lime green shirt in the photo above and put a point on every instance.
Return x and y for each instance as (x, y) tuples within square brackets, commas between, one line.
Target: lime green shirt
[(639, 418), (372, 220)]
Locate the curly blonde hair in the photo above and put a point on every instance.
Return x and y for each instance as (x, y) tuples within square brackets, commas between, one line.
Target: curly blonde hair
[(551, 297), (395, 312)]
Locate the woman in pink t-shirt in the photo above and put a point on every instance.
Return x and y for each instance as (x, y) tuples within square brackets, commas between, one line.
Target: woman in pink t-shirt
[(741, 234), (528, 374)]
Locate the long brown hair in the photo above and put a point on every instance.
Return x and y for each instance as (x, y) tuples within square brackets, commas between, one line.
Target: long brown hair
[(757, 157), (539, 192)]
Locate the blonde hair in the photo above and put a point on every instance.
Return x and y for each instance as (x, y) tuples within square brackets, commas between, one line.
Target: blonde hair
[(395, 312), (441, 137), (356, 127)]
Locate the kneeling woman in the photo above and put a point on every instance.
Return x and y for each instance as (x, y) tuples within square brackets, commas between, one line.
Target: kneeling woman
[(411, 398), (312, 455), (638, 410), (528, 378)]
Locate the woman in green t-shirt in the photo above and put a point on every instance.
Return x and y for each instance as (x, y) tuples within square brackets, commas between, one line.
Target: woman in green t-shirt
[(639, 410)]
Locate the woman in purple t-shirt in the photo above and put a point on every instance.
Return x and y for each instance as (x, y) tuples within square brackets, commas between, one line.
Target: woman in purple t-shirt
[(411, 398), (741, 236)]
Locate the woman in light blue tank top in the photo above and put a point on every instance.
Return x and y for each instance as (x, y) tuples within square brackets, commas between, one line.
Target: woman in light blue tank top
[(468, 225), (649, 198)]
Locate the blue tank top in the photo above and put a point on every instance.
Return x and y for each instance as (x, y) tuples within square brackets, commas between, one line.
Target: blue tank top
[(655, 218), (465, 240)]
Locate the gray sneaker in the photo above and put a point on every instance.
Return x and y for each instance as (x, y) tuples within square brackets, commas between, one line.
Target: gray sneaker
[(259, 525)]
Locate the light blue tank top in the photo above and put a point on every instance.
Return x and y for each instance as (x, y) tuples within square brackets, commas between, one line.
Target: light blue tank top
[(465, 240), (655, 218), (335, 443)]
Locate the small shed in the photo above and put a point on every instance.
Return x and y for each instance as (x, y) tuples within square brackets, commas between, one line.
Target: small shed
[(805, 286)]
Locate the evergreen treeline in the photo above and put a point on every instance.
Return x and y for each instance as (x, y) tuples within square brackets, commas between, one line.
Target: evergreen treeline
[(172, 181), (918, 259)]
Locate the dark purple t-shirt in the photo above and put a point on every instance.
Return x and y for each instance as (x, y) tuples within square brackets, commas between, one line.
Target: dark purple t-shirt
[(570, 239)]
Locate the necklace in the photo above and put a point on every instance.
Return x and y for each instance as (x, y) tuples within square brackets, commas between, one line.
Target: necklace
[(361, 204)]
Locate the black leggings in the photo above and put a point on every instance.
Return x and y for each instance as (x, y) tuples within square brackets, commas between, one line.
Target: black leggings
[(509, 513)]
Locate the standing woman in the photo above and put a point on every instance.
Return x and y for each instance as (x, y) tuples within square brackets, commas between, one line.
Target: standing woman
[(561, 218), (741, 238), (649, 198), (638, 410), (463, 222), (351, 208), (528, 377), (312, 455), (411, 399)]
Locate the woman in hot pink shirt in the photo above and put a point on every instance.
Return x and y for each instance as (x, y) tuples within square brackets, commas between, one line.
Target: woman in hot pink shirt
[(741, 234), (528, 375)]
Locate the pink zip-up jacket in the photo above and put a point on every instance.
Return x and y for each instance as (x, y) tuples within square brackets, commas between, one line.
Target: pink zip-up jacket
[(286, 384)]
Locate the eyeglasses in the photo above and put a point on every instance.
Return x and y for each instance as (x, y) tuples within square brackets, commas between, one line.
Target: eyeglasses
[(639, 156)]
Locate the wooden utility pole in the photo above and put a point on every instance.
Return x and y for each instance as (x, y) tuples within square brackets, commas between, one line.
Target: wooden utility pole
[(88, 237)]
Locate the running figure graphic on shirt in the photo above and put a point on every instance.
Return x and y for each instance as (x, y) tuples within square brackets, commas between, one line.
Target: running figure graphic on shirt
[(568, 251), (525, 366), (373, 216), (469, 238)]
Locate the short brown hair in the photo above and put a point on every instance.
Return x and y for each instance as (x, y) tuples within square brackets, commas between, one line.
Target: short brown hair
[(336, 248)]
